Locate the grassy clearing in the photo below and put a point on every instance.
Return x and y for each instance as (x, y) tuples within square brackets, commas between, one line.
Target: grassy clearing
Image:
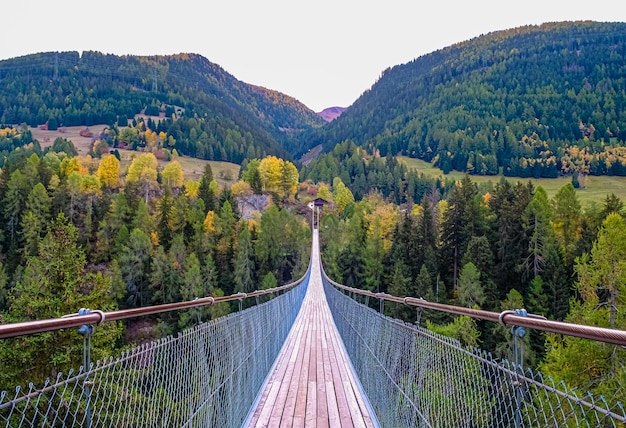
[(597, 188)]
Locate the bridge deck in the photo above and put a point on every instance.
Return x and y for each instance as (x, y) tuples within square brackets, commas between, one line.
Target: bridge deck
[(312, 383)]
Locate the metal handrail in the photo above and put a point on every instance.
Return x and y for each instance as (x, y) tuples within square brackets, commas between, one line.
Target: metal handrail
[(600, 334), (97, 317)]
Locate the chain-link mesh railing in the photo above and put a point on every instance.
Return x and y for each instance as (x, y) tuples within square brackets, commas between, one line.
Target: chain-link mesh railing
[(207, 376), (416, 378)]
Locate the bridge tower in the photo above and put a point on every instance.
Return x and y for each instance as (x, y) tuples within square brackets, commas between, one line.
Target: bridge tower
[(316, 206)]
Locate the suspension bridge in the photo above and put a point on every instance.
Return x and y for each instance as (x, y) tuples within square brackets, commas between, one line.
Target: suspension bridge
[(311, 356)]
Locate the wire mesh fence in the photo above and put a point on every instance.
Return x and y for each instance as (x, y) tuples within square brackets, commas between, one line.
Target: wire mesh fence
[(416, 378), (207, 376)]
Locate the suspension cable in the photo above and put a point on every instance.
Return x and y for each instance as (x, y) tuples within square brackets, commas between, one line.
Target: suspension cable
[(97, 317), (600, 334)]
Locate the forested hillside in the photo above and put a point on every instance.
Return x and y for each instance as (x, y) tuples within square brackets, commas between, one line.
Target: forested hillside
[(232, 120), (535, 101), (82, 232)]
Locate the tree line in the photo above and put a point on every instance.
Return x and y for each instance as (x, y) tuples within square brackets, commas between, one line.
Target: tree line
[(364, 172)]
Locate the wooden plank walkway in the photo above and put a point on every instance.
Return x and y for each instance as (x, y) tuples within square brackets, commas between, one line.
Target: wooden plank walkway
[(312, 383)]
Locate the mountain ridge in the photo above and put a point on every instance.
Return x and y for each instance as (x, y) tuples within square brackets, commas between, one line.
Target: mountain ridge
[(500, 102), (331, 113), (537, 100), (68, 88)]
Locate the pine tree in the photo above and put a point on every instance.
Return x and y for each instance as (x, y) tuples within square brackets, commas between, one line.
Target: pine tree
[(13, 206), (135, 263), (255, 182), (567, 220), (423, 284), (399, 286), (244, 262), (35, 219), (471, 293), (4, 288), (461, 220), (536, 220), (352, 258), (192, 287), (55, 283), (165, 219)]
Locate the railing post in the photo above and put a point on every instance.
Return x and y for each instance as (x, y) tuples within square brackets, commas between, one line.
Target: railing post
[(518, 333), (241, 297), (86, 330)]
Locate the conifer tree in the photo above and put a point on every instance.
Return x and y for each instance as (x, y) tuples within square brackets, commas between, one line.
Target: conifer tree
[(55, 283), (244, 263)]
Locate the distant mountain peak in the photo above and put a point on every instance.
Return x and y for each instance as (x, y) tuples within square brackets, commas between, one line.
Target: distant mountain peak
[(331, 113)]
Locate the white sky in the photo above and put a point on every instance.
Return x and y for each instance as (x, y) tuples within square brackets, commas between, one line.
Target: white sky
[(324, 53)]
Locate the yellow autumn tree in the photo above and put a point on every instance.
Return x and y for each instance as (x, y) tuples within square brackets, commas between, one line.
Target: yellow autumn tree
[(341, 194), (209, 222), (278, 176), (386, 216), (172, 174), (269, 169), (191, 188), (109, 171), (143, 170), (241, 188), (90, 185), (151, 138), (324, 193), (71, 165), (88, 164), (289, 177), (143, 167)]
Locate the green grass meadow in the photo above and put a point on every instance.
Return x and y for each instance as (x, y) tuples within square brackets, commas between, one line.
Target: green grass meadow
[(596, 190)]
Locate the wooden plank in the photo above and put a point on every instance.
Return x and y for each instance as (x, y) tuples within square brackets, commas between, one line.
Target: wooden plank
[(349, 387), (301, 395), (345, 419), (323, 419), (363, 408), (289, 403), (296, 353), (331, 397), (311, 396)]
